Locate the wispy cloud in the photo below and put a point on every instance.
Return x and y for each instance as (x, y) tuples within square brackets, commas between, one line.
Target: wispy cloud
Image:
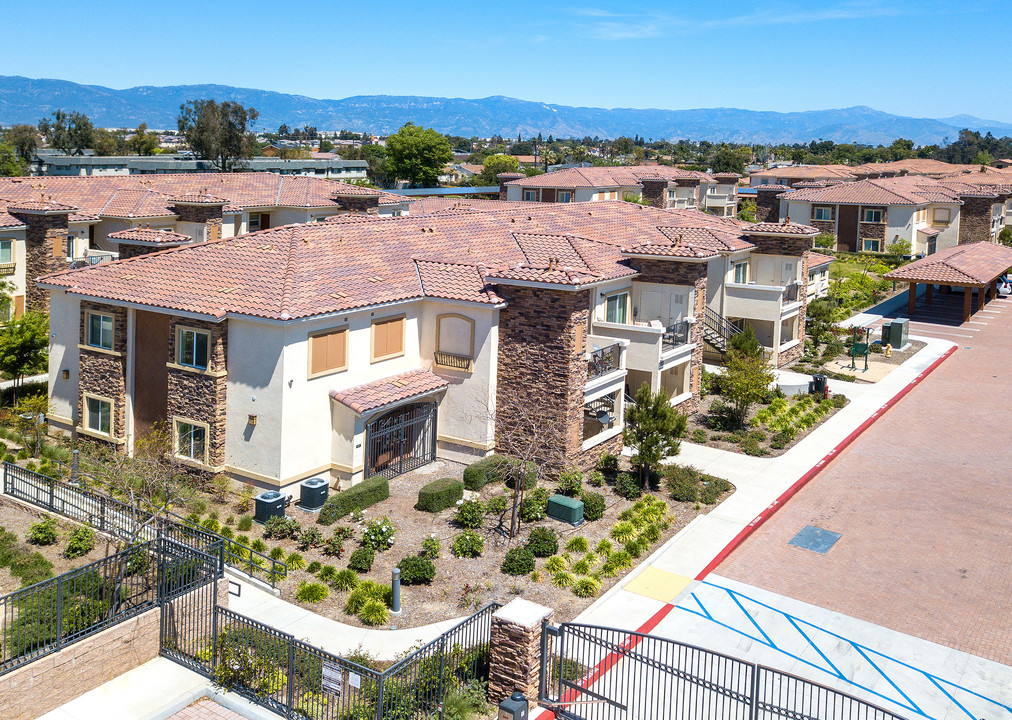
[(787, 16)]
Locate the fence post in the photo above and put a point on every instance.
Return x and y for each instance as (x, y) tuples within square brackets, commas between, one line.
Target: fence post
[(753, 710), (442, 659), (52, 494), (290, 704), (379, 695), (214, 637), (59, 613), (101, 505), (75, 465)]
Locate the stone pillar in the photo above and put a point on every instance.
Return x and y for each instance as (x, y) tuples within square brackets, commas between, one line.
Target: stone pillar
[(767, 202), (515, 646), (655, 191), (504, 178), (45, 250)]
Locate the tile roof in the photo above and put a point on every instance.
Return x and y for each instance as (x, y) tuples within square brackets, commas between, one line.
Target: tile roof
[(784, 228), (911, 166), (607, 177), (455, 281), (198, 198), (930, 231), (149, 236), (39, 206), (884, 191), (816, 260), (805, 172), (973, 264), (394, 389)]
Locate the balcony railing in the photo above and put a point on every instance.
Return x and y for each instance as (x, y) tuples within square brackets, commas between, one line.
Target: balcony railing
[(791, 293), (675, 335), (454, 362), (604, 360)]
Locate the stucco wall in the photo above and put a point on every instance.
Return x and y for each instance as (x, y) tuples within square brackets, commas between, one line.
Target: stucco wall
[(64, 328)]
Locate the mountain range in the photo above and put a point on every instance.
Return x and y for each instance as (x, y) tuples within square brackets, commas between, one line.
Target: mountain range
[(26, 100)]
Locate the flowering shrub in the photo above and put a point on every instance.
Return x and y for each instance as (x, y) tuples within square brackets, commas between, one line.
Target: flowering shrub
[(379, 534)]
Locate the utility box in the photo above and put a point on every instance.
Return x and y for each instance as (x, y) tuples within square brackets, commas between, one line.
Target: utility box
[(565, 509), (514, 707), (313, 493), (886, 333), (898, 332), (268, 504)]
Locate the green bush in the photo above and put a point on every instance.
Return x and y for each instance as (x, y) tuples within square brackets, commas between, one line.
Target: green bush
[(80, 543), (227, 533), (497, 469), (556, 564), (518, 561), (470, 514), (439, 495), (211, 525), (603, 547), (280, 528), (333, 547), (563, 579), (497, 505), (751, 446), (778, 441), (23, 454), (839, 400), (294, 561), (259, 545), (699, 436), (311, 592), (310, 537), (416, 570), (43, 533), (245, 524), (374, 612), (627, 486), (534, 505), (577, 544), (31, 568), (467, 544), (593, 505), (10, 457), (607, 464), (431, 547), (314, 567), (346, 579), (682, 482), (543, 542), (595, 478), (379, 534), (570, 483), (277, 553), (581, 567), (586, 587), (327, 573), (712, 488), (358, 497), (361, 560)]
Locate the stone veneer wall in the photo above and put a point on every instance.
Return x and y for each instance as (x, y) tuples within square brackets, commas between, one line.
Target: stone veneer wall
[(358, 203), (767, 202), (45, 252), (826, 226), (800, 246), (209, 215), (655, 192), (694, 275), (872, 231), (200, 396), (975, 219), (126, 250), (102, 373)]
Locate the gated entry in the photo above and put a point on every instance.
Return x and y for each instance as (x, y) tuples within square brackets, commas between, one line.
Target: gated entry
[(401, 440), (598, 673)]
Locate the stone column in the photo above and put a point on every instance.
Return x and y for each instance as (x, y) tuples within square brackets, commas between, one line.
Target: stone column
[(515, 647)]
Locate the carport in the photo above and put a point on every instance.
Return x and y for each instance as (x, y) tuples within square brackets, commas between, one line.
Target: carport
[(976, 266)]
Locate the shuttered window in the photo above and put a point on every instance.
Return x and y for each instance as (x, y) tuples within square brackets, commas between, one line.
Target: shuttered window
[(387, 338), (328, 352)]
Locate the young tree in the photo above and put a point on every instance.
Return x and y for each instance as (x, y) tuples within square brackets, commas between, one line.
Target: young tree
[(30, 419), (417, 155), (108, 142), (24, 345), (654, 428), (70, 132), (1005, 236), (495, 164), (221, 133), (143, 141), (747, 375), (727, 160), (818, 319), (897, 250), (10, 164), (25, 141)]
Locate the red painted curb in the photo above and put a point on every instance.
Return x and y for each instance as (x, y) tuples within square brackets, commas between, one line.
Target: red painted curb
[(817, 468)]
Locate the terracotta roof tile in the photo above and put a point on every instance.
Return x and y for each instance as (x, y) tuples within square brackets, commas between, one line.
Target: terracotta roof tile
[(39, 206), (768, 228), (148, 236), (818, 259), (198, 198), (807, 172), (389, 390), (973, 264), (607, 177), (455, 281), (889, 191)]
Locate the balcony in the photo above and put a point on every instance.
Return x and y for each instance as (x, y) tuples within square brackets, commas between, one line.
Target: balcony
[(604, 360), (464, 363), (675, 335), (760, 302)]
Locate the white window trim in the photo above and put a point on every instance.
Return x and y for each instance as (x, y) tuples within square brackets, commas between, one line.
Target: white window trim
[(180, 329), (609, 296), (176, 421), (112, 331), (112, 415)]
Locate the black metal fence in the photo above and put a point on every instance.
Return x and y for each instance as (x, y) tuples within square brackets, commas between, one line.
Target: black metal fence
[(599, 673), (604, 360), (121, 520), (296, 679), (48, 616)]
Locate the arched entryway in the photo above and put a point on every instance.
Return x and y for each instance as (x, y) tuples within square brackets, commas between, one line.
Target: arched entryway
[(401, 440)]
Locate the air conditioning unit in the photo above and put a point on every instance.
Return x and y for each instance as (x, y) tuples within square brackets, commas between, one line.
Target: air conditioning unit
[(313, 493), (268, 504)]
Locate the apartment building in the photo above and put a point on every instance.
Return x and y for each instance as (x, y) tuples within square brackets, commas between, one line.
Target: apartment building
[(662, 186), (48, 224), (362, 345), (791, 175)]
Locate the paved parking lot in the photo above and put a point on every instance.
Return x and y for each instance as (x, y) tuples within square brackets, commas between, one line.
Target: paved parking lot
[(923, 503)]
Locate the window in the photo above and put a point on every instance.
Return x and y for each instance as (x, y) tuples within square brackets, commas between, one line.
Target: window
[(871, 215), (564, 196), (328, 352), (191, 348), (672, 195), (531, 195), (870, 244), (191, 440), (940, 216), (98, 415), (712, 190), (617, 308), (741, 272), (6, 251), (387, 338), (100, 331), (454, 341), (822, 212)]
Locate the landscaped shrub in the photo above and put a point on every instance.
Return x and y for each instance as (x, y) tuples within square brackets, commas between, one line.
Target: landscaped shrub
[(379, 534), (259, 545), (586, 587), (570, 483), (623, 531), (470, 514), (367, 591), (358, 497), (310, 537), (779, 441), (23, 454), (311, 592), (439, 495), (607, 465), (750, 446), (9, 457), (627, 486), (582, 566), (563, 579), (712, 488), (534, 505), (618, 561), (416, 570), (699, 436), (497, 469), (431, 547), (227, 533), (245, 524), (518, 561), (497, 505), (277, 553), (333, 547), (314, 567), (80, 543), (344, 580), (577, 544), (543, 542), (294, 561), (327, 572), (280, 528), (31, 568), (211, 525), (603, 547), (593, 505), (44, 532), (467, 544), (361, 560), (556, 564), (682, 483), (595, 478), (839, 400), (635, 547), (374, 612)]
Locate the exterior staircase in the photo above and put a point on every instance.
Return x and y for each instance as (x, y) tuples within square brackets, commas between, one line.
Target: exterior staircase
[(717, 331)]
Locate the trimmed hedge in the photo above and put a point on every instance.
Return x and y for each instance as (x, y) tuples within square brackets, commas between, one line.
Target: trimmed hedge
[(358, 497), (497, 469), (439, 495)]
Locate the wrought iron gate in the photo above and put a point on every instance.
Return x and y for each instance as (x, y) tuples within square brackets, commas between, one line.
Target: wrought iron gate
[(401, 440), (599, 673)]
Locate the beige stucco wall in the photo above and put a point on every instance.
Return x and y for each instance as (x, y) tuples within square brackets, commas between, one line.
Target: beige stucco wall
[(64, 332)]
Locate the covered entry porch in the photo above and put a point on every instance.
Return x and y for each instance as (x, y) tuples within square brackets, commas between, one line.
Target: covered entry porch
[(973, 269)]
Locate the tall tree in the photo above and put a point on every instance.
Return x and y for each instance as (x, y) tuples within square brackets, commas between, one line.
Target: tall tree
[(222, 133), (70, 132), (143, 142), (108, 142), (727, 160), (495, 164), (24, 345), (25, 141), (10, 164), (654, 428), (417, 155)]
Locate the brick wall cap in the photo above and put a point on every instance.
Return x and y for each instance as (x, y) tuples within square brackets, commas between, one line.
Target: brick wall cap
[(522, 612)]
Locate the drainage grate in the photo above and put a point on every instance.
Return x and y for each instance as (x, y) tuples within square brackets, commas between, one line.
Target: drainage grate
[(816, 539)]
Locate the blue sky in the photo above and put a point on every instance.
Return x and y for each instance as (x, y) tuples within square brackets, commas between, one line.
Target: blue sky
[(925, 58)]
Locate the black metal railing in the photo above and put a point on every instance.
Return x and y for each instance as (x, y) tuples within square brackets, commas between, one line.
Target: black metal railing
[(604, 360), (127, 523), (717, 330), (791, 293), (453, 361), (48, 616), (675, 335), (295, 679), (626, 674)]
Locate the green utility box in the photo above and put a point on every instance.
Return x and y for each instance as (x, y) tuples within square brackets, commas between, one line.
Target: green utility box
[(565, 509)]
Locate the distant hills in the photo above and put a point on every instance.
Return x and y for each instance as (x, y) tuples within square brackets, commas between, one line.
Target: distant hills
[(25, 100)]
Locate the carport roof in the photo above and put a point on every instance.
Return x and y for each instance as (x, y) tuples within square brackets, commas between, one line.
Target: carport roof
[(974, 264)]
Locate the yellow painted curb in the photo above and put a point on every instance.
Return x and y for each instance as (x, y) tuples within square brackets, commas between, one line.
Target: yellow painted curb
[(657, 584)]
